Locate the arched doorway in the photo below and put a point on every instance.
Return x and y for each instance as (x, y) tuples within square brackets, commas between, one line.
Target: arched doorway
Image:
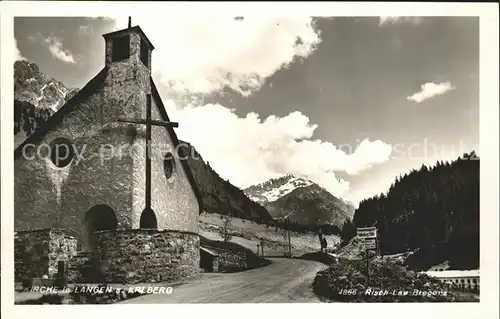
[(148, 219), (99, 217)]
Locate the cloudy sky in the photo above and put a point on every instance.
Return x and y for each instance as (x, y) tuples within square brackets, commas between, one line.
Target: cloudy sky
[(349, 103)]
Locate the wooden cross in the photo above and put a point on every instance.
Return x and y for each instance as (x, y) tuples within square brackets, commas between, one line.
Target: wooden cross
[(148, 122)]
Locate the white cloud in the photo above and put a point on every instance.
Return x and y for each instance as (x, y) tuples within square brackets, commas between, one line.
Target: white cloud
[(56, 49), (203, 55), (206, 55), (393, 20), (249, 150), (429, 90), (17, 53)]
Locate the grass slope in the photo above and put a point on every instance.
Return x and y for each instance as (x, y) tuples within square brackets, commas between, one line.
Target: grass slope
[(249, 234)]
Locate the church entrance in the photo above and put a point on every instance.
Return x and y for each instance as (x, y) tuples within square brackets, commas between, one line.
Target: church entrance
[(99, 217)]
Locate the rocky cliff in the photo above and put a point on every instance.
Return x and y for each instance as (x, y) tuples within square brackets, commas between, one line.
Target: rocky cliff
[(36, 98)]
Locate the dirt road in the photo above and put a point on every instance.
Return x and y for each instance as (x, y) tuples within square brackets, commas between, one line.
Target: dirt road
[(284, 280)]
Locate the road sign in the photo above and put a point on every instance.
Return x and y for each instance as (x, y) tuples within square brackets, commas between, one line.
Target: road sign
[(370, 243), (368, 236), (367, 232)]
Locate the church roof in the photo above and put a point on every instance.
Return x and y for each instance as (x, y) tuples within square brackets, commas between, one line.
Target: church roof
[(125, 31), (91, 87)]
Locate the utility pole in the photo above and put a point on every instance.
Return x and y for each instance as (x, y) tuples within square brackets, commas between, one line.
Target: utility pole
[(370, 242), (377, 242), (288, 234), (320, 235), (289, 244), (367, 269), (378, 247)]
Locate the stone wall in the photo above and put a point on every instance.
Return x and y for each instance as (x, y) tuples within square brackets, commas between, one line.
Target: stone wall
[(37, 252), (76, 267), (147, 255), (231, 261), (215, 264), (31, 254), (62, 247)]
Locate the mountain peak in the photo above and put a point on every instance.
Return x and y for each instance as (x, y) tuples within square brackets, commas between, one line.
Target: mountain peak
[(300, 199), (34, 87), (26, 65), (275, 188), (36, 98)]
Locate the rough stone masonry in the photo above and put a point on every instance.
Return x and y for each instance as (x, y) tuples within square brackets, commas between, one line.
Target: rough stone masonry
[(97, 197)]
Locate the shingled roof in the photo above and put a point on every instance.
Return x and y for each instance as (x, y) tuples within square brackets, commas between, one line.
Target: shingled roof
[(91, 87)]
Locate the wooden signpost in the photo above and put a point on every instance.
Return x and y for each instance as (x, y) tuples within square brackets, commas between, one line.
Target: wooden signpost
[(369, 242)]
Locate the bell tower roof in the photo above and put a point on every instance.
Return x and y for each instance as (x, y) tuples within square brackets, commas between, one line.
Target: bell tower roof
[(130, 46), (137, 29)]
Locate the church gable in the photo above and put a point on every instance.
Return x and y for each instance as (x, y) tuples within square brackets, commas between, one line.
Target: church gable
[(57, 191)]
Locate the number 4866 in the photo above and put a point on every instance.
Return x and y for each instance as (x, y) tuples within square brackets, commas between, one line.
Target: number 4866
[(348, 292)]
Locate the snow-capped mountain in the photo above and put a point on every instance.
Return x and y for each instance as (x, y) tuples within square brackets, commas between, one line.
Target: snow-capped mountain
[(300, 200), (271, 190), (36, 98), (34, 87)]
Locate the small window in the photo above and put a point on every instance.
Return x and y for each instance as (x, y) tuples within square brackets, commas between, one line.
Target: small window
[(61, 152), (144, 53), (121, 48), (168, 165)]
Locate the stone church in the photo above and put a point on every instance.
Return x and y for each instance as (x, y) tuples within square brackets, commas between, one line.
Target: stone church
[(86, 185)]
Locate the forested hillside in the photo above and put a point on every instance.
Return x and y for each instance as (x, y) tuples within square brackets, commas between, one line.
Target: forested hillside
[(219, 195), (434, 210)]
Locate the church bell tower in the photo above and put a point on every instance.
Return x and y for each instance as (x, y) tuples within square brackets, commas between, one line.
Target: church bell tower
[(128, 75), (129, 45)]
